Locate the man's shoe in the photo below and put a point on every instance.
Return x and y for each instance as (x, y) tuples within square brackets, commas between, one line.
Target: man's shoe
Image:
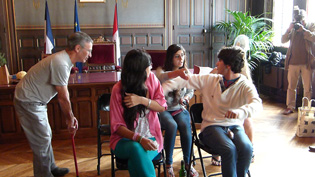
[(312, 148), (60, 171), (287, 111)]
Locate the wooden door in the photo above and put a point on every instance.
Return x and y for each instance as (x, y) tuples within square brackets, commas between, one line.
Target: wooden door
[(191, 24), (7, 34), (219, 14), (3, 29)]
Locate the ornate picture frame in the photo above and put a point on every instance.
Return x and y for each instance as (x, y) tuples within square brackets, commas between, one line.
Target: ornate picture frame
[(84, 1)]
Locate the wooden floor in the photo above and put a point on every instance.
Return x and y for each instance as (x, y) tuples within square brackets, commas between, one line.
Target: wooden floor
[(278, 152)]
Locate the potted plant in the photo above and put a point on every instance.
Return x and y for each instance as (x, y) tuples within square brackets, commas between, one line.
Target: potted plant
[(3, 60), (256, 29), (4, 73)]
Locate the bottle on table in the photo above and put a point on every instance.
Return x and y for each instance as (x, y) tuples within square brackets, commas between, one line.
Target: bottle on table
[(182, 171)]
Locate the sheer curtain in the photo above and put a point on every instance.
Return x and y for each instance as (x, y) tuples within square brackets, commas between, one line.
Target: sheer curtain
[(310, 10), (282, 17)]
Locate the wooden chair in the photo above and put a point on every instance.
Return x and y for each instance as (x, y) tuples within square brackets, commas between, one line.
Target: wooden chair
[(158, 58), (103, 57)]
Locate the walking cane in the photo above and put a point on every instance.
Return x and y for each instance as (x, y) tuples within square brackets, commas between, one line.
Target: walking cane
[(75, 156)]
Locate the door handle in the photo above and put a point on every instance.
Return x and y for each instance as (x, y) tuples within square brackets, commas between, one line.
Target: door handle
[(204, 31)]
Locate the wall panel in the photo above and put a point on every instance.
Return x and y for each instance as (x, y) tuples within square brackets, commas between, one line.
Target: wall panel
[(8, 120), (84, 111), (98, 15), (32, 41), (184, 12), (141, 40), (199, 11)]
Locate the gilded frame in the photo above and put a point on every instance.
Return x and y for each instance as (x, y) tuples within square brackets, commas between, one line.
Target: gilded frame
[(84, 1)]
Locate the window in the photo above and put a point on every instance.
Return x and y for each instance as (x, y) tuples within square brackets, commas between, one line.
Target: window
[(282, 17), (310, 10)]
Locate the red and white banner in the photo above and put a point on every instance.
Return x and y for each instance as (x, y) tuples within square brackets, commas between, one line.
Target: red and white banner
[(116, 36)]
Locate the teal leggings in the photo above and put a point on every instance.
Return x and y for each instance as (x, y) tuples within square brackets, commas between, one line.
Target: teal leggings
[(139, 160)]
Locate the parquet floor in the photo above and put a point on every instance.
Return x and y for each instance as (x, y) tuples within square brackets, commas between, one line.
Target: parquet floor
[(278, 152)]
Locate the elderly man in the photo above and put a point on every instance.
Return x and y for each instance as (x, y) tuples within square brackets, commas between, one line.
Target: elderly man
[(44, 80)]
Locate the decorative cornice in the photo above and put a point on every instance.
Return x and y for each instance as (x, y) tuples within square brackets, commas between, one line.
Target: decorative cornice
[(40, 27)]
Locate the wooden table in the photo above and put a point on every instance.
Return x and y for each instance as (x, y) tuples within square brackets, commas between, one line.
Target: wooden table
[(84, 89)]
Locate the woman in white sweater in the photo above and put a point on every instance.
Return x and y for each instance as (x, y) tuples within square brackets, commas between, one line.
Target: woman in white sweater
[(228, 99)]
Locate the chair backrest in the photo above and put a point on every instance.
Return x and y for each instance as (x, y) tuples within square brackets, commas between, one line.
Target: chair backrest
[(103, 105), (195, 111), (103, 57), (103, 102), (195, 115), (158, 58)]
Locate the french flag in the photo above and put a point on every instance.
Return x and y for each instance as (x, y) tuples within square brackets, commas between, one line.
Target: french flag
[(116, 35), (79, 65), (49, 39)]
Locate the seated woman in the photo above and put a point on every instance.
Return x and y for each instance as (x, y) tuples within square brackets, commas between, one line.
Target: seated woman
[(176, 116), (228, 99), (135, 127)]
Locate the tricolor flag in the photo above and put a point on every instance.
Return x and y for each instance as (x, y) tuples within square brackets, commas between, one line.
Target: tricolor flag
[(79, 65), (116, 35), (49, 39), (76, 17)]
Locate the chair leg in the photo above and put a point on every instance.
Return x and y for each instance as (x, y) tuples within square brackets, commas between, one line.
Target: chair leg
[(193, 158), (159, 170), (191, 155), (164, 163), (99, 154), (164, 169), (202, 165), (112, 163)]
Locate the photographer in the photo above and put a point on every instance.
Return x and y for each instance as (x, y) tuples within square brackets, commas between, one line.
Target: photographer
[(299, 57)]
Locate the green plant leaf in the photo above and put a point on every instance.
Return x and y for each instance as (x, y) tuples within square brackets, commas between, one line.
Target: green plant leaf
[(3, 60), (257, 29)]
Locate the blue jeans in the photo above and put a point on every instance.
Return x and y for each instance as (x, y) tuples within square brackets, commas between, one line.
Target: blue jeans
[(139, 160), (236, 153), (170, 124)]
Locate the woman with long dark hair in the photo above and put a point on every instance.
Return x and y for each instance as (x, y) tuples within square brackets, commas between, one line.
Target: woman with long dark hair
[(135, 127), (176, 117)]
